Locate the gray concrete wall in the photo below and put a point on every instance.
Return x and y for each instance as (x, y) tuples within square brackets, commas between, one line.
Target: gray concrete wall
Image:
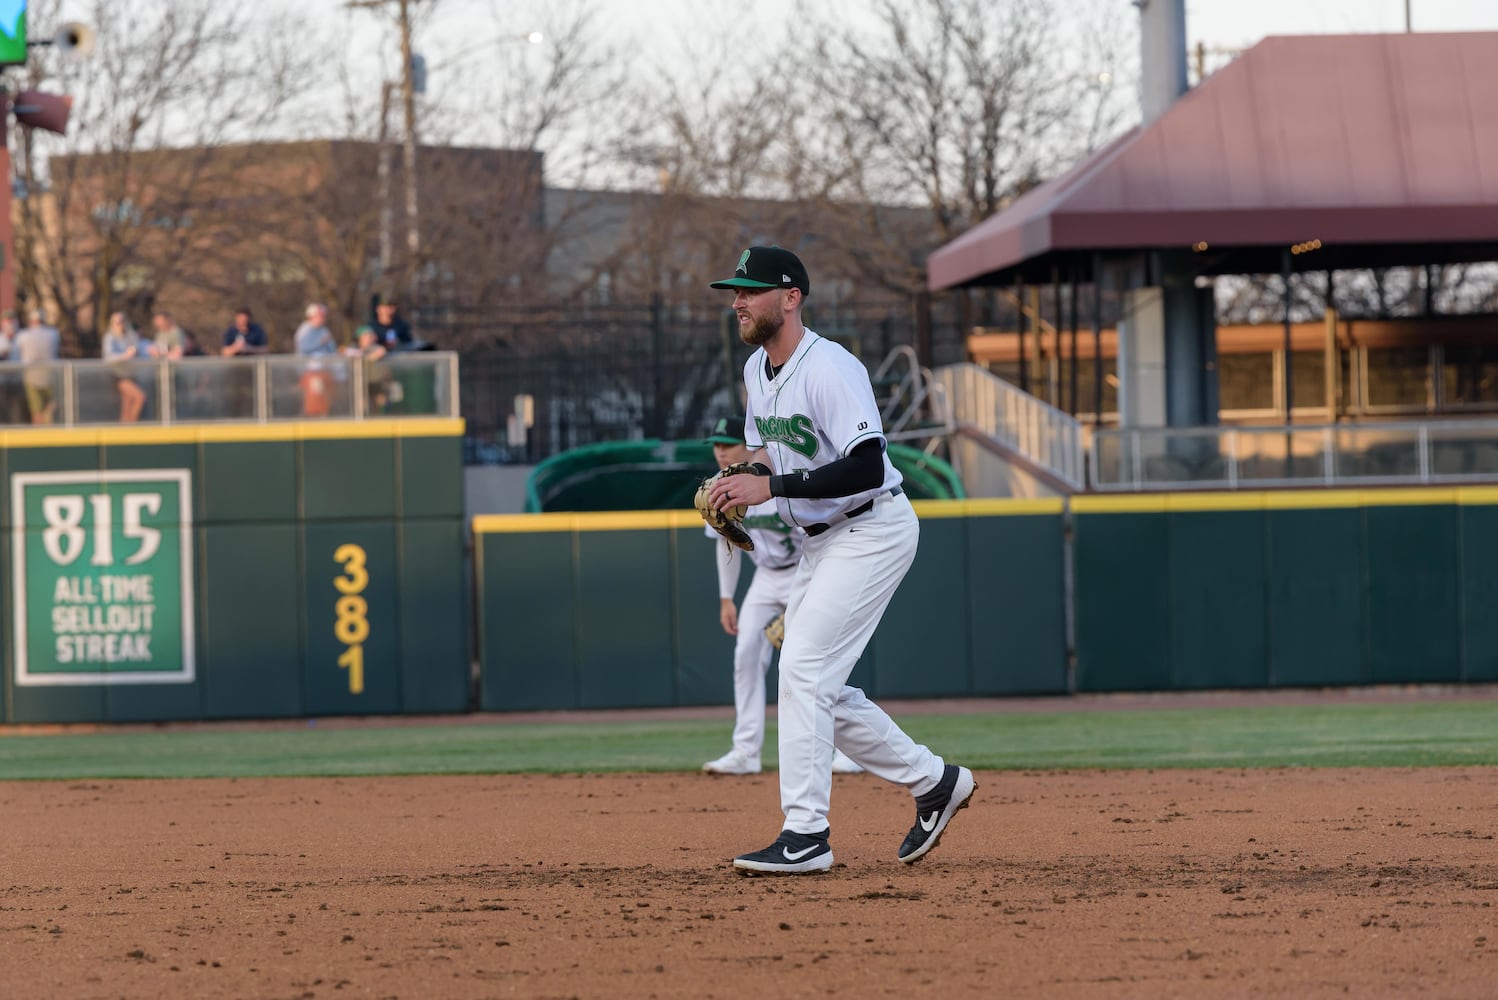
[(494, 489)]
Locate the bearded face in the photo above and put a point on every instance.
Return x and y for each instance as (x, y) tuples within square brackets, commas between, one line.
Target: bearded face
[(762, 328)]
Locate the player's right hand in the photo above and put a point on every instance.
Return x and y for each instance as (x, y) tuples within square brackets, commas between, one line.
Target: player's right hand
[(728, 615)]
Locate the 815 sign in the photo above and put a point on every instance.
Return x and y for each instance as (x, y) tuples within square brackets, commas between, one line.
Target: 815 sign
[(103, 576), (65, 537)]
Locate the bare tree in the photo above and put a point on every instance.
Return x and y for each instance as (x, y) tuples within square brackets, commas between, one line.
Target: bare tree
[(885, 129), (1363, 293), (955, 106), (96, 231), (169, 188)]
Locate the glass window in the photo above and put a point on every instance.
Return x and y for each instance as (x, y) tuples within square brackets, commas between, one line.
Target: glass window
[(1277, 454), (1374, 451), (417, 385), (1469, 375), (1087, 385), (1040, 382), (1245, 381), (310, 387), (1308, 380), (1397, 376), (30, 395), (115, 392), (1035, 369), (213, 389)]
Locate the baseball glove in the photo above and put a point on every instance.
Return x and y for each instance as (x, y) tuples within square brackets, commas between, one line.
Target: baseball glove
[(775, 631), (727, 523)]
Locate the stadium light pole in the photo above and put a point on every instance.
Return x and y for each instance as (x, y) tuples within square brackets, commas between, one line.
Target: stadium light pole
[(408, 146), (34, 109), (408, 100), (409, 87)]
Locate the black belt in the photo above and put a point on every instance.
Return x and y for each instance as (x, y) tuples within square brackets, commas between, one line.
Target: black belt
[(789, 565), (816, 529)]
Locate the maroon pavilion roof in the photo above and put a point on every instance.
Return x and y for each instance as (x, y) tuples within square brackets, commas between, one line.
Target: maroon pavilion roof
[(1383, 147)]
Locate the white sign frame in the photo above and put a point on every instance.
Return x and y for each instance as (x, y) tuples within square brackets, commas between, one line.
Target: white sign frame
[(23, 676)]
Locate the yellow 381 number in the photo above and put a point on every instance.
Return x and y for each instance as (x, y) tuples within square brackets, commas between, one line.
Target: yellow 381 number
[(351, 613)]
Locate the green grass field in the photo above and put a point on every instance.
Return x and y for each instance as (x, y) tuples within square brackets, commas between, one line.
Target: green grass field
[(1417, 734)]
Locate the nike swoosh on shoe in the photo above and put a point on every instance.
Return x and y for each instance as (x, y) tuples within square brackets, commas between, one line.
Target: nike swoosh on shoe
[(791, 855), (929, 824)]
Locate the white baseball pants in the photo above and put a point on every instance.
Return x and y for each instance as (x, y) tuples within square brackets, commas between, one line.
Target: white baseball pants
[(766, 597), (844, 583)]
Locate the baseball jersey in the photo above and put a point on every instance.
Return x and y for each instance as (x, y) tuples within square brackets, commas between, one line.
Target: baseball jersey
[(816, 409)]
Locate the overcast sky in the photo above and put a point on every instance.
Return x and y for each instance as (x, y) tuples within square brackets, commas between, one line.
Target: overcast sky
[(658, 31), (1224, 23)]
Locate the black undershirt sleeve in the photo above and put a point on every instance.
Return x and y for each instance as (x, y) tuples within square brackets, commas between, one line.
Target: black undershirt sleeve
[(859, 470)]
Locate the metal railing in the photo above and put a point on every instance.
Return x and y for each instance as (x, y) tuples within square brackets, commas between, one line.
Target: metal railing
[(1346, 454), (1023, 424), (913, 405), (259, 389)]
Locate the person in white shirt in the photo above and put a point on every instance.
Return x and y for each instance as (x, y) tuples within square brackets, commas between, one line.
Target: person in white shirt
[(776, 553), (811, 415)]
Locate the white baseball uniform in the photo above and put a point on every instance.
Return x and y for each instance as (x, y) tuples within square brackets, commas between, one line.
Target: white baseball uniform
[(815, 409), (777, 551)]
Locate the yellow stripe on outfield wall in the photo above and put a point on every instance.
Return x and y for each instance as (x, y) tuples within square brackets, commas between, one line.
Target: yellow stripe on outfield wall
[(1420, 496), (1434, 496), (1148, 503), (1157, 503), (624, 520), (1133, 503), (604, 520), (1243, 500), (294, 430), (989, 507), (1475, 496)]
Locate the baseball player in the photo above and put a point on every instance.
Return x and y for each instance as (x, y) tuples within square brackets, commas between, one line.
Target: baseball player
[(777, 550), (812, 416)]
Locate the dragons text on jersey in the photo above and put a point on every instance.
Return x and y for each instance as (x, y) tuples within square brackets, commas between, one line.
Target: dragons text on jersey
[(795, 432)]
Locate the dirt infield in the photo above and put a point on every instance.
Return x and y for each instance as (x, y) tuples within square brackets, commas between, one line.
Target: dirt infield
[(1092, 884)]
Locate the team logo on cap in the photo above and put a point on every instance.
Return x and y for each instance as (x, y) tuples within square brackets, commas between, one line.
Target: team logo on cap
[(722, 427), (743, 263)]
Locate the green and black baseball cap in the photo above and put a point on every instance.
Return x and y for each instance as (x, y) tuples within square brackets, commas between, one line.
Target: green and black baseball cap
[(728, 430), (768, 267)]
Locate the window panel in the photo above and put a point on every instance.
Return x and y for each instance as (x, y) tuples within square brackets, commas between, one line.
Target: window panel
[(1398, 376), (1469, 375), (1245, 381)]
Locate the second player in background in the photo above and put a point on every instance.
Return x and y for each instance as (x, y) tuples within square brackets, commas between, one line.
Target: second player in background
[(777, 550)]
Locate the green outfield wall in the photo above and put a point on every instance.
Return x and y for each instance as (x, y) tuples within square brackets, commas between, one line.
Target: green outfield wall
[(605, 610), (233, 571), (1163, 592), (1284, 589), (261, 571)]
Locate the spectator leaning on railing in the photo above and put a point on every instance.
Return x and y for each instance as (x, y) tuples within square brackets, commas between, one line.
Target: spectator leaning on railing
[(391, 327), (245, 336), (121, 345), (313, 337), (37, 347), (376, 375), (170, 341), (314, 340)]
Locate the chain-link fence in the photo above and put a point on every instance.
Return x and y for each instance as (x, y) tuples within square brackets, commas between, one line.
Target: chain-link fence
[(537, 384)]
